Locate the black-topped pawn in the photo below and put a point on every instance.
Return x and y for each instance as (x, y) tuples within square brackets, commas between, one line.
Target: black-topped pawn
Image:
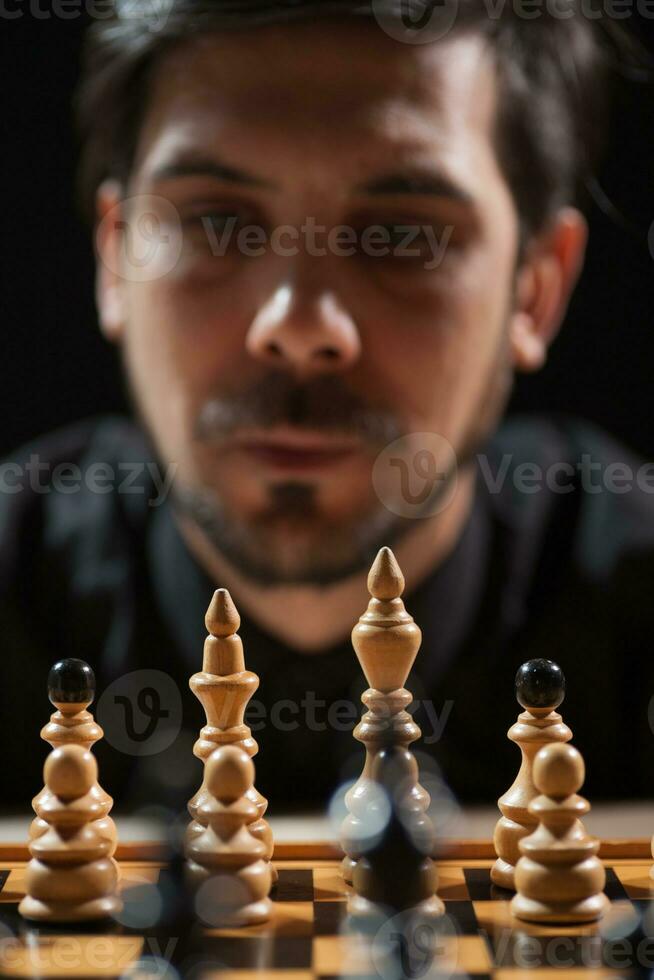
[(540, 684), (71, 681), (71, 689), (540, 689)]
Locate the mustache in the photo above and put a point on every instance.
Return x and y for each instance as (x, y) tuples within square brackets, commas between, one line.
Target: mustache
[(324, 404)]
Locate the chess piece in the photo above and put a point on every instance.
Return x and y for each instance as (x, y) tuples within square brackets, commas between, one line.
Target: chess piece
[(540, 689), (395, 870), (224, 688), (386, 641), (559, 877), (225, 858), (72, 876), (71, 689), (176, 915)]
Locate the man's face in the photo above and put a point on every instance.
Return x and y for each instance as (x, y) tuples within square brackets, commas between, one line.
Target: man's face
[(273, 373)]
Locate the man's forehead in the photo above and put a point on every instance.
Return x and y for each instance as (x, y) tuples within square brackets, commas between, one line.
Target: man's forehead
[(335, 84)]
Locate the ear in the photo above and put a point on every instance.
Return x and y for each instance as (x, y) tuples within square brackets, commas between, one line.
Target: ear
[(109, 284), (546, 279)]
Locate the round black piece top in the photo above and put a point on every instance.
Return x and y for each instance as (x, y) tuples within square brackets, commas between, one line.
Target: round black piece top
[(71, 681), (540, 684)]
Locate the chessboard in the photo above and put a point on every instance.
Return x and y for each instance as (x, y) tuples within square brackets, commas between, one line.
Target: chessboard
[(309, 935)]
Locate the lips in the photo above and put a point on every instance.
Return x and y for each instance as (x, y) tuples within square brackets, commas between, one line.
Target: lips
[(294, 450)]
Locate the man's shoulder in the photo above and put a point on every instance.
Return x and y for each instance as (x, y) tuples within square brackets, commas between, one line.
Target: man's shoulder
[(78, 483), (546, 439), (108, 438), (563, 472)]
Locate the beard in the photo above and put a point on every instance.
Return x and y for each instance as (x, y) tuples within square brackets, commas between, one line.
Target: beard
[(291, 541)]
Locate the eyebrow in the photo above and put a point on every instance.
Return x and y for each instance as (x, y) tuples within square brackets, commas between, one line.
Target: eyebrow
[(204, 167), (419, 185)]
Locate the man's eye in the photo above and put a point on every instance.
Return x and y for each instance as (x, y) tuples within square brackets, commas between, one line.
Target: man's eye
[(414, 238), (403, 241), (216, 232)]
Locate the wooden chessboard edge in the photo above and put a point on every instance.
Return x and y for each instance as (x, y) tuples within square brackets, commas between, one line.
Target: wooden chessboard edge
[(329, 851), (130, 851), (637, 848), (612, 849)]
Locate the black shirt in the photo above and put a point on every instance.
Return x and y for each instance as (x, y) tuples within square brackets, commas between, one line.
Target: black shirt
[(562, 571)]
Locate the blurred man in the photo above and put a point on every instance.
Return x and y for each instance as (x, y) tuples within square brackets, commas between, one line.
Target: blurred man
[(326, 242)]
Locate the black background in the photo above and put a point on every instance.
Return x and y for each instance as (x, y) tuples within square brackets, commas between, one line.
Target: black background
[(55, 367)]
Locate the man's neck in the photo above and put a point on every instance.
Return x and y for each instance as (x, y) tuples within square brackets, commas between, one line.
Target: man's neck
[(313, 618)]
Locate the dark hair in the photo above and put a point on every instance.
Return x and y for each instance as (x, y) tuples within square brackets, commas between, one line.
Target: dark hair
[(552, 76)]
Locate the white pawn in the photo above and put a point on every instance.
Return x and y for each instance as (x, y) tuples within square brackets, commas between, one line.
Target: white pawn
[(540, 689), (559, 877), (71, 689), (226, 861), (71, 877)]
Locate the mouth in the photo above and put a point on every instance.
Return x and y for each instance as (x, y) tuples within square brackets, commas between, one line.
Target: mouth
[(292, 450)]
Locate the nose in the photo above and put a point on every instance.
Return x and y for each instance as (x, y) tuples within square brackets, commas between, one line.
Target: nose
[(306, 335)]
